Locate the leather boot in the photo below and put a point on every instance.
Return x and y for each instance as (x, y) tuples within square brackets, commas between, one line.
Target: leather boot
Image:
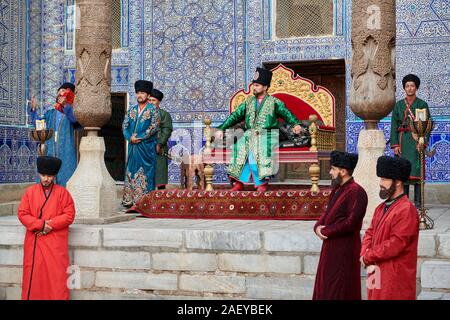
[(238, 186), (262, 188)]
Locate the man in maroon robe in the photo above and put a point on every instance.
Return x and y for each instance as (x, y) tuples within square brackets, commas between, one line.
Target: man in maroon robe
[(339, 271), (389, 249), (46, 210)]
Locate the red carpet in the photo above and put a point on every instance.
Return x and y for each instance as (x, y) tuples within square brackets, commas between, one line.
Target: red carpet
[(281, 204)]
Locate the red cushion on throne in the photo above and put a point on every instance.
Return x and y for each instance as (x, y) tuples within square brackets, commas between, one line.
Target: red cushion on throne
[(298, 107)]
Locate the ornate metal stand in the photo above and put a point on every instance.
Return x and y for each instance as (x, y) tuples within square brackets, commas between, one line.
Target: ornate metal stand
[(209, 169), (420, 129), (41, 136)]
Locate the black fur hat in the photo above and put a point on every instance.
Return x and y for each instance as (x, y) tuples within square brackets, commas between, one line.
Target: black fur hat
[(413, 78), (157, 94), (344, 160), (67, 85), (143, 86), (393, 168), (262, 76), (48, 165)]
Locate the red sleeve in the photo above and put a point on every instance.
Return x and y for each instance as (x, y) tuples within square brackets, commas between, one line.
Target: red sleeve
[(351, 222), (367, 240), (320, 221), (405, 227), (67, 216), (30, 222)]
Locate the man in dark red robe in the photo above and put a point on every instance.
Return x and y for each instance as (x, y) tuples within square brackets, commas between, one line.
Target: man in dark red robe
[(339, 272), (46, 210), (389, 250)]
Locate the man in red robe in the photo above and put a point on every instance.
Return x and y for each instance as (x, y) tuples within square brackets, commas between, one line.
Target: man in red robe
[(389, 249), (46, 210), (339, 271)]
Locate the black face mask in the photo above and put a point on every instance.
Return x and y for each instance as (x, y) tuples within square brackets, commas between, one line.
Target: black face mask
[(387, 193)]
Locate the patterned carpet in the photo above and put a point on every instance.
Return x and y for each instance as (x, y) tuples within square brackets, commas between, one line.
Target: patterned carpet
[(284, 203)]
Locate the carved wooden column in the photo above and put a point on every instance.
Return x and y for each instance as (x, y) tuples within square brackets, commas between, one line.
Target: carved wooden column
[(91, 186), (372, 93)]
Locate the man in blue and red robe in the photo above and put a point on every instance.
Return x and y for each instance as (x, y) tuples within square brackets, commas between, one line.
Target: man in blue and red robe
[(62, 121)]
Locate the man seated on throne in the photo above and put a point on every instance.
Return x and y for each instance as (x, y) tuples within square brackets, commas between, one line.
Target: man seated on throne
[(252, 156)]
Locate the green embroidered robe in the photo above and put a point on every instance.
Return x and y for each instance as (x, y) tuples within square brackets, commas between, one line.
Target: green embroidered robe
[(256, 140), (400, 118), (162, 163)]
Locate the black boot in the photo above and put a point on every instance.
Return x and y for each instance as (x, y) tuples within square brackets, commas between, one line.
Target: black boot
[(417, 195)]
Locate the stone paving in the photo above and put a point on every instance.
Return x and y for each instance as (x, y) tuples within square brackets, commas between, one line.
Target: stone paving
[(198, 259)]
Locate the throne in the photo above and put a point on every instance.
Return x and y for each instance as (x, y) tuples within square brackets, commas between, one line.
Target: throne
[(313, 105)]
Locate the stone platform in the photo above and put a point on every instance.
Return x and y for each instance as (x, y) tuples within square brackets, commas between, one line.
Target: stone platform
[(208, 259)]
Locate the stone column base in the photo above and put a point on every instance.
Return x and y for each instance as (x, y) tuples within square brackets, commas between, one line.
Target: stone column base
[(371, 146), (92, 187)]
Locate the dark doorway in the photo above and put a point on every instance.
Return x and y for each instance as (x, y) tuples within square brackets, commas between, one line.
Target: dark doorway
[(114, 140), (331, 75)]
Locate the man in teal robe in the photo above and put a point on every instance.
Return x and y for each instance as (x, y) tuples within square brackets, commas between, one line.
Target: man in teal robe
[(63, 122), (401, 139), (252, 156), (140, 129), (165, 131)]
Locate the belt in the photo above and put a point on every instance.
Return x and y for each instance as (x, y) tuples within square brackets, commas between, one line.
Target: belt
[(401, 129)]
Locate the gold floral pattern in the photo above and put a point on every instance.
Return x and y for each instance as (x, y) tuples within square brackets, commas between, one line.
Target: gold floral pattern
[(146, 115), (135, 188), (133, 114)]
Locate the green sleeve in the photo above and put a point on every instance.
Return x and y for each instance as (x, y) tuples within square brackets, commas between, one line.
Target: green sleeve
[(395, 123), (282, 112), (237, 116), (166, 128)]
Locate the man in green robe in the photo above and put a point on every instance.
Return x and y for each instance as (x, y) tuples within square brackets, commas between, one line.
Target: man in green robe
[(165, 130), (252, 154), (402, 140)]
